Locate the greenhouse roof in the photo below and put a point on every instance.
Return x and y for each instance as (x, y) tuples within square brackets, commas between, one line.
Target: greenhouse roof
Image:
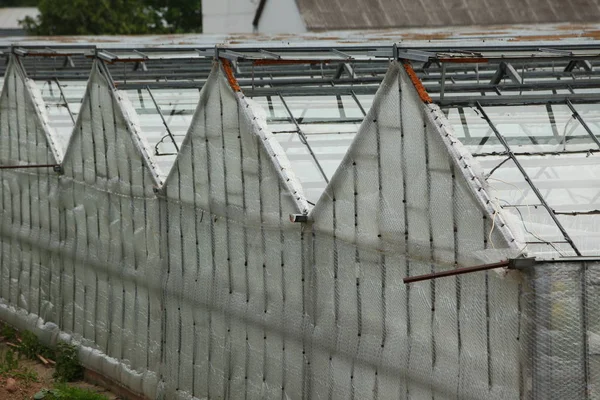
[(522, 101)]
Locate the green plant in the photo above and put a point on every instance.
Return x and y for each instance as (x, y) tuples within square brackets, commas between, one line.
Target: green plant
[(63, 391), (9, 362), (25, 375), (67, 367), (8, 332), (30, 346), (10, 368)]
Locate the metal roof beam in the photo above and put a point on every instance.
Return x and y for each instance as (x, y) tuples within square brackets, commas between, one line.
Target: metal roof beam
[(469, 101), (528, 180), (506, 70), (584, 64)]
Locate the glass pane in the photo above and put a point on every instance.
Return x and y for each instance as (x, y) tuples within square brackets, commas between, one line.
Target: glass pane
[(329, 124), (59, 104), (177, 106)]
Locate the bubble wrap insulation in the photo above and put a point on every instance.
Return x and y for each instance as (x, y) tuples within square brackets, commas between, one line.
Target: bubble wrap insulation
[(202, 288)]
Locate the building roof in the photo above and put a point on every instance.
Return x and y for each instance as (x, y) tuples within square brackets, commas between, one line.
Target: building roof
[(378, 14), (10, 16)]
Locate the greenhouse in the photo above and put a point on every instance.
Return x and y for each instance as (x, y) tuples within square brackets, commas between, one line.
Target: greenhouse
[(391, 215)]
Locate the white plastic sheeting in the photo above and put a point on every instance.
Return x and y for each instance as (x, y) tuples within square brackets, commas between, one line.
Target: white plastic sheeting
[(399, 205), (201, 287), (28, 218), (81, 250), (235, 262), (110, 241)]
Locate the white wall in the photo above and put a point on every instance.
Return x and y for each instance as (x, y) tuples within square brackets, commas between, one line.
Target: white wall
[(281, 16), (236, 16), (228, 16)]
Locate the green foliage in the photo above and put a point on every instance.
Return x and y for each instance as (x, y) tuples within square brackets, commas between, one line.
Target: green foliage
[(8, 333), (68, 392), (18, 3), (115, 17), (67, 367), (92, 17), (179, 16), (30, 346), (9, 367), (9, 362)]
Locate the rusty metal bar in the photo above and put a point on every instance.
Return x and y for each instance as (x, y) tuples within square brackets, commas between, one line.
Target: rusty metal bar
[(290, 62), (30, 166), (454, 272), (416, 82)]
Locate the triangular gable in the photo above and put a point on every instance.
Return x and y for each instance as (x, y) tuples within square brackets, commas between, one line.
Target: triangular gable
[(402, 149), (25, 135), (112, 219), (406, 201), (230, 242), (107, 142), (222, 116)]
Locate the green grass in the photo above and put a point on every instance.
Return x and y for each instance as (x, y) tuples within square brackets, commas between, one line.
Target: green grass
[(10, 368), (8, 332), (64, 392), (67, 368)]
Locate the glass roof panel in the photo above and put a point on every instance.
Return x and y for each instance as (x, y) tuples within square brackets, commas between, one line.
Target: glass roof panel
[(560, 158), (590, 113), (63, 101), (527, 129), (164, 137), (315, 133)]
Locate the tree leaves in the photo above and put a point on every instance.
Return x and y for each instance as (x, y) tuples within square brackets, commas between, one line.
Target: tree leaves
[(115, 17)]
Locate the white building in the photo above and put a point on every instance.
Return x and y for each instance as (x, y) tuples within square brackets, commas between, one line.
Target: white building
[(10, 18)]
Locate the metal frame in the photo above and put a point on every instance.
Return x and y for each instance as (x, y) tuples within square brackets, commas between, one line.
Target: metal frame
[(456, 77)]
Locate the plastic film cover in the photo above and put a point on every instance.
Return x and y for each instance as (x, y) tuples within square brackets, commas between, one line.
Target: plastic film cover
[(202, 288), (381, 219)]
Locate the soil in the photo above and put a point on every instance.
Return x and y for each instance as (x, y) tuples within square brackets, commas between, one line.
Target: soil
[(25, 388)]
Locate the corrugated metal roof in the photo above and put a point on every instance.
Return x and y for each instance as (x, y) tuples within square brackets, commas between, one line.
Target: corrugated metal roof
[(361, 14), (10, 17)]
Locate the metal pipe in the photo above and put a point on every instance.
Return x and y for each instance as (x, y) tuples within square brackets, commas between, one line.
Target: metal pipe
[(258, 14), (303, 138), (30, 166), (454, 272), (162, 117), (62, 94)]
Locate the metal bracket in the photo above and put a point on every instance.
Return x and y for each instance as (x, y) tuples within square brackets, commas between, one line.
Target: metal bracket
[(521, 263), (302, 218)]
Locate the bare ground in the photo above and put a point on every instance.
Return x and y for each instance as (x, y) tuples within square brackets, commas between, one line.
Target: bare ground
[(26, 387)]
